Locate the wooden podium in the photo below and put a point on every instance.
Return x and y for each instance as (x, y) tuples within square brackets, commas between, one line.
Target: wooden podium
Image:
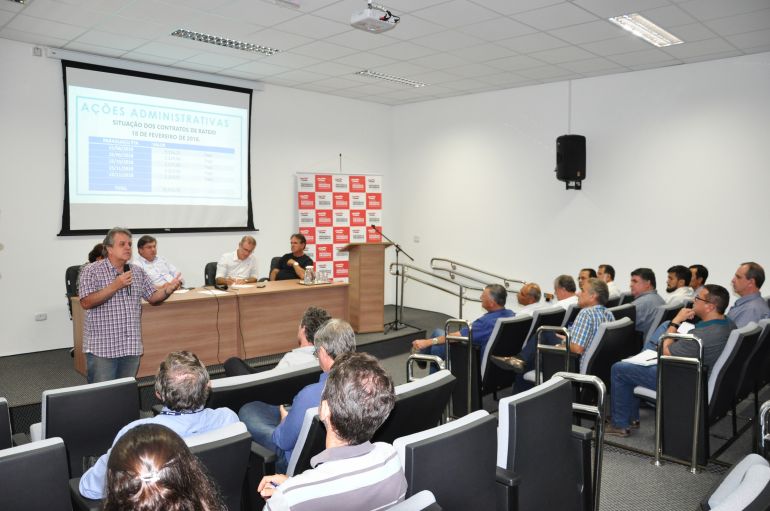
[(366, 286)]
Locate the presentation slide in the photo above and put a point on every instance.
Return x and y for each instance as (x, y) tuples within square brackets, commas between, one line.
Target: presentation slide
[(147, 153)]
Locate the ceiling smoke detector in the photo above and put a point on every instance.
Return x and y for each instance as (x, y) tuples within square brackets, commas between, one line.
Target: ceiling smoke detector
[(375, 19)]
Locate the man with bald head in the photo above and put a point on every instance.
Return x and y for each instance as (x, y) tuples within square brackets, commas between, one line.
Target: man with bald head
[(529, 298)]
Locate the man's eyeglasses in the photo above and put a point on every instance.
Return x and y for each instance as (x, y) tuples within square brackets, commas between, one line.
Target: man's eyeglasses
[(701, 299)]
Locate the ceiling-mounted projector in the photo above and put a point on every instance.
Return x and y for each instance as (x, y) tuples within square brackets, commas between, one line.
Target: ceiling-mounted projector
[(375, 19)]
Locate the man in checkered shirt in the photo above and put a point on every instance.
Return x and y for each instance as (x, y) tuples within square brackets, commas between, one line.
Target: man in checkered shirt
[(591, 300), (111, 292)]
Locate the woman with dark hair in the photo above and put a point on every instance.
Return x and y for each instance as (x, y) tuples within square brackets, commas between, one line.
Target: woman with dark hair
[(151, 468), (96, 253)]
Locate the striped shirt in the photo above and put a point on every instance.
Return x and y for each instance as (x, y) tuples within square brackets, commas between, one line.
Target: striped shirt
[(587, 324), (363, 477), (114, 328)]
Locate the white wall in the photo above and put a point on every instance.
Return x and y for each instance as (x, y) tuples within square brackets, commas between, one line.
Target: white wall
[(293, 131), (677, 168)]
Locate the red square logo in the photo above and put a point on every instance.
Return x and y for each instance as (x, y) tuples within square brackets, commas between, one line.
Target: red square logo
[(323, 218), (357, 218), (306, 200), (341, 201), (323, 183), (340, 269), (324, 252), (309, 234), (373, 236), (342, 235), (373, 201), (357, 184)]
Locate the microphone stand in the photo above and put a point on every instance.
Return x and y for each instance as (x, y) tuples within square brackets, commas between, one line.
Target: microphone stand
[(396, 324)]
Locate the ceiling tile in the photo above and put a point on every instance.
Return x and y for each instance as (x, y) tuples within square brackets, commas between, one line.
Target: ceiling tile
[(465, 84), (455, 13), (642, 67), (588, 32), (447, 41), (323, 50), (566, 54), (111, 40), (331, 69), (474, 70), (692, 32), (291, 60), (167, 51), (608, 8), (223, 27), (261, 13), (410, 27), (47, 28), (439, 61), (511, 7), (260, 68), (516, 63), (591, 65), (360, 40), (159, 12), (749, 40), (483, 52), (668, 16), (506, 79), (434, 77), (555, 16), (126, 26), (711, 9), (300, 76), (625, 44), (313, 26), (337, 82), (278, 39), (733, 25), (545, 72), (193, 66), (404, 50), (29, 37), (532, 43), (364, 60), (95, 50), (5, 17), (498, 28), (216, 60), (403, 69), (697, 48), (63, 13), (149, 58), (721, 55), (640, 57)]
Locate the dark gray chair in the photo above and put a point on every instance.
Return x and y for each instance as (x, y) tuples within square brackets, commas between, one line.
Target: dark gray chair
[(613, 302), (34, 477), (663, 313), (570, 314), (455, 461), (506, 340), (626, 297), (746, 487), (210, 274), (5, 425), (311, 441), (87, 418)]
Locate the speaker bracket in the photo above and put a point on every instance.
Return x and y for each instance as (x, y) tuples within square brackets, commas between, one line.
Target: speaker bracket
[(573, 185)]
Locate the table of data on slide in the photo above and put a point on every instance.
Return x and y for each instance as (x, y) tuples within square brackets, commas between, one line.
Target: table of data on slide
[(125, 165)]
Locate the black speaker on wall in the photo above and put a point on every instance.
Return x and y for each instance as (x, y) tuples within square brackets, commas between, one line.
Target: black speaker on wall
[(571, 160)]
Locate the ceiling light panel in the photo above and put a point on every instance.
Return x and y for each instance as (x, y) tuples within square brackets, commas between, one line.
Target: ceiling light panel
[(223, 41), (646, 29)]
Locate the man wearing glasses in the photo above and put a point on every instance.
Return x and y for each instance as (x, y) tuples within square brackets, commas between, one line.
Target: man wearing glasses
[(713, 329)]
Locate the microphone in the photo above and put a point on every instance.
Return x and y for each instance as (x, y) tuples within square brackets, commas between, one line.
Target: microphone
[(126, 268)]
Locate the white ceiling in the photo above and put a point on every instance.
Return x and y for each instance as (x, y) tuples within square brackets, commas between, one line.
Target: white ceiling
[(456, 46)]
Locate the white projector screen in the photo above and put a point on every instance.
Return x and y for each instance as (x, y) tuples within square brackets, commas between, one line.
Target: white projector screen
[(154, 153)]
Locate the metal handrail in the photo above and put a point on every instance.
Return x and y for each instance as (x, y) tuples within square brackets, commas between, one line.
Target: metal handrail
[(455, 264), (598, 412), (459, 324), (403, 271), (422, 357), (698, 362), (548, 347)]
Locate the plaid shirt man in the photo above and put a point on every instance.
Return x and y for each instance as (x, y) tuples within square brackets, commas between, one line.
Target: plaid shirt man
[(114, 328), (587, 324)]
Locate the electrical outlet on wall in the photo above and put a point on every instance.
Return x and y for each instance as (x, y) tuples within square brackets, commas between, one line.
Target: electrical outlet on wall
[(41, 316)]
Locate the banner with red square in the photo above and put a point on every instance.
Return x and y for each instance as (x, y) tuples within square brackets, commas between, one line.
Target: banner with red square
[(334, 210)]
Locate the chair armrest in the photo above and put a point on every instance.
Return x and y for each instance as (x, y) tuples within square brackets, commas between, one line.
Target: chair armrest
[(263, 454), (581, 433), (506, 490), (79, 502)]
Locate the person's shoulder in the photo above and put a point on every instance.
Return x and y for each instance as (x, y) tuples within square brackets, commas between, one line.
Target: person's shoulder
[(224, 415)]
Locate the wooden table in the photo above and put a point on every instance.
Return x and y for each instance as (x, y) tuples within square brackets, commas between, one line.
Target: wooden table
[(247, 322)]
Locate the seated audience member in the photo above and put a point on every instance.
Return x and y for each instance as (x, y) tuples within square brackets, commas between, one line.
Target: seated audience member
[(564, 288), (607, 274), (747, 281), (182, 385), (277, 428), (713, 329), (352, 473), (240, 266), (312, 320), (293, 264), (591, 300), (646, 298), (96, 253), (151, 468), (528, 299), (156, 267), (699, 274), (585, 274), (493, 300), (678, 284)]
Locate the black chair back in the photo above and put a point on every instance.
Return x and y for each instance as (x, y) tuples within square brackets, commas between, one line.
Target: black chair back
[(613, 343), (419, 406), (226, 461), (624, 311), (274, 263), (269, 386), (35, 477), (625, 298), (663, 313), (311, 441), (210, 274), (570, 315), (506, 340), (451, 459), (757, 359), (5, 425), (725, 377), (459, 363), (88, 417), (613, 302)]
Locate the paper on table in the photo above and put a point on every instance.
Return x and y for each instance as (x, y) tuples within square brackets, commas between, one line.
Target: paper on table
[(645, 358), (212, 291), (181, 290), (242, 286)]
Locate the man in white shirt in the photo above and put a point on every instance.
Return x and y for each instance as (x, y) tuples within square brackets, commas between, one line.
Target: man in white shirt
[(678, 284), (564, 288), (156, 267), (239, 267), (607, 274), (528, 298)]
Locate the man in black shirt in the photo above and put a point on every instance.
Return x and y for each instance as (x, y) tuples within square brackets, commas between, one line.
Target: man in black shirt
[(293, 264)]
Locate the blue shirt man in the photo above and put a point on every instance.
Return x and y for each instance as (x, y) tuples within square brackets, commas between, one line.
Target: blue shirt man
[(747, 281), (646, 298), (493, 300)]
